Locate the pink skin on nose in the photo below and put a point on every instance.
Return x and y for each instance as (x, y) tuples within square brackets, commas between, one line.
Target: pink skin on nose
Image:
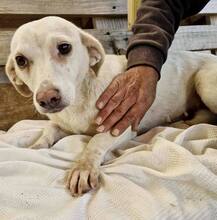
[(48, 99)]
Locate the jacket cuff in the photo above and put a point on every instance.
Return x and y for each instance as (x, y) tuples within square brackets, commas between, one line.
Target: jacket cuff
[(145, 55)]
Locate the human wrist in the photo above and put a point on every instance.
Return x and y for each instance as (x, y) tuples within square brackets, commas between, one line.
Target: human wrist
[(146, 71), (145, 55)]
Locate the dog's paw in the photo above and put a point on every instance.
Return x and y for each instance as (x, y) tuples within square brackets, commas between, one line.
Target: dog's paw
[(82, 178), (180, 125)]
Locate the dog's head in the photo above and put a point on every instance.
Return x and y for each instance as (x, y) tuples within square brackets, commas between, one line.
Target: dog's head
[(49, 59)]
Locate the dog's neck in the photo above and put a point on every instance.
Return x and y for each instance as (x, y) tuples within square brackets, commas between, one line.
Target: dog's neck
[(91, 87), (93, 84)]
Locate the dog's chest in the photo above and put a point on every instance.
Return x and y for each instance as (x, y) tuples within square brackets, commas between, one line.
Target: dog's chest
[(76, 122)]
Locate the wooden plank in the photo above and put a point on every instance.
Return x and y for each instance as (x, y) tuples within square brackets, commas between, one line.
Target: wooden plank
[(194, 38), (110, 23), (60, 7), (201, 37), (210, 8), (191, 38), (5, 39)]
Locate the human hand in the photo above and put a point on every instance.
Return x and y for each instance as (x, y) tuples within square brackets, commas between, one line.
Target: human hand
[(126, 100)]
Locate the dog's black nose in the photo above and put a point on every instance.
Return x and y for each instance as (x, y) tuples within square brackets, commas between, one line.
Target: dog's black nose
[(49, 99)]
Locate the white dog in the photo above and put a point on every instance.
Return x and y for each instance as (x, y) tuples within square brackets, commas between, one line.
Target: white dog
[(66, 70)]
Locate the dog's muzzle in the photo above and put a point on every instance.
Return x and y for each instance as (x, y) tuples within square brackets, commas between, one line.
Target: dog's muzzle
[(50, 100)]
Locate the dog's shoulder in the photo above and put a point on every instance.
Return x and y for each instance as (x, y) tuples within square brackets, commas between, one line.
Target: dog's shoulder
[(113, 65)]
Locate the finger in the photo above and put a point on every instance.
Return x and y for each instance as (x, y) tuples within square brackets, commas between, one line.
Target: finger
[(118, 113), (107, 94), (113, 103), (126, 121)]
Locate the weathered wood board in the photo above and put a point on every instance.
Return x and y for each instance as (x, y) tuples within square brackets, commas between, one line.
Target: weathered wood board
[(109, 23), (59, 7)]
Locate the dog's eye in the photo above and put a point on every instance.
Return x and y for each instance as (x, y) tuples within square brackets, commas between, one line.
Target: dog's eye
[(64, 48), (21, 61)]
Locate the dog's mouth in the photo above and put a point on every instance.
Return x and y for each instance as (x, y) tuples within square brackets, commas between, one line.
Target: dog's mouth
[(52, 110)]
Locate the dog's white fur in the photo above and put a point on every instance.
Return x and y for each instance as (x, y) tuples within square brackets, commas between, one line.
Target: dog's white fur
[(84, 74)]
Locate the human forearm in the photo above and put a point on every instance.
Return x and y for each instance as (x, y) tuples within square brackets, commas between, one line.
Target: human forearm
[(154, 29)]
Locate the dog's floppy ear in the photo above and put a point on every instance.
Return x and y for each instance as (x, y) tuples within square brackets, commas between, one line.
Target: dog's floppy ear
[(95, 50), (20, 86)]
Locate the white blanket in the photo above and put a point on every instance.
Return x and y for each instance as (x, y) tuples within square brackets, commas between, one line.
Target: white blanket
[(166, 173)]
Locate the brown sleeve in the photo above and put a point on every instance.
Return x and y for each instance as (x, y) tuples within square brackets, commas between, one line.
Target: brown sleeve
[(154, 29)]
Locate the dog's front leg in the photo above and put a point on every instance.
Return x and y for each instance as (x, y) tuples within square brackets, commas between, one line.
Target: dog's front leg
[(84, 176), (50, 135)]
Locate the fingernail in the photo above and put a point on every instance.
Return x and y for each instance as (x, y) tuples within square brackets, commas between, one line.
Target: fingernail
[(101, 128), (98, 120), (100, 105), (115, 132)]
